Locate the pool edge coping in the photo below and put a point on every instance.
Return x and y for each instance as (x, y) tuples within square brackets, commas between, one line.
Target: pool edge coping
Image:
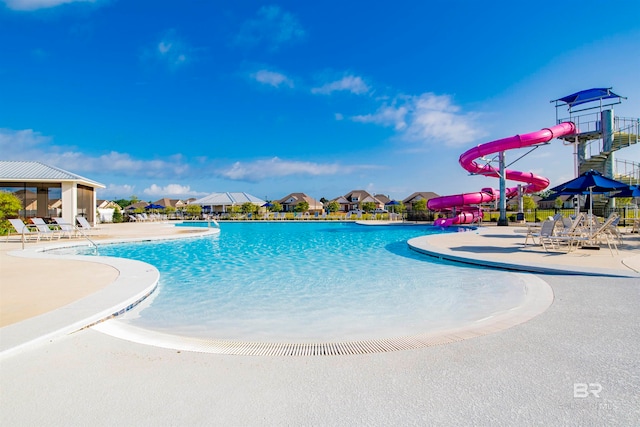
[(135, 282)]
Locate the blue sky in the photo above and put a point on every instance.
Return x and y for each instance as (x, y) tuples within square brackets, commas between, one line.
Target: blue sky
[(181, 99)]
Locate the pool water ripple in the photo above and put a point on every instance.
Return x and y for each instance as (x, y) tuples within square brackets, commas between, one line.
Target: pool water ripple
[(305, 282)]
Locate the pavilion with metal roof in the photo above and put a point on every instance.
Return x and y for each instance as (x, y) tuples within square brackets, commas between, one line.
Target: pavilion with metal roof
[(219, 202), (47, 191)]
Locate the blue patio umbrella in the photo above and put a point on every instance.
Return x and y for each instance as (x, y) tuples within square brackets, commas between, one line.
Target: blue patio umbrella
[(267, 205), (154, 206), (589, 183), (392, 203), (632, 191)]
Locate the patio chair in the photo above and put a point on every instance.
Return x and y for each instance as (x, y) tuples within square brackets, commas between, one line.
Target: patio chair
[(66, 228), (83, 225), (27, 231), (604, 235), (44, 229)]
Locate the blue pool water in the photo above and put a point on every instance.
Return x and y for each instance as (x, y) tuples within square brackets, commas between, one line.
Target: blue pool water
[(312, 281)]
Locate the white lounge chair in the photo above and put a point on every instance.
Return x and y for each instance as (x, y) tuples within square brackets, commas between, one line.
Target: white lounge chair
[(44, 229), (27, 231), (66, 228), (83, 225)]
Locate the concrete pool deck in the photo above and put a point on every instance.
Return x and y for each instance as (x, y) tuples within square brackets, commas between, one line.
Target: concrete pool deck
[(532, 373)]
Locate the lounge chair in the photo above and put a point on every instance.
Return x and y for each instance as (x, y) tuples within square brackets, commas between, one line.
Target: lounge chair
[(548, 237), (44, 229), (27, 231), (603, 234), (66, 228), (83, 225)]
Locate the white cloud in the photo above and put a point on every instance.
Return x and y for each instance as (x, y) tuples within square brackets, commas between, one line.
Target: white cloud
[(170, 50), (272, 78), (426, 118), (29, 5), (171, 190), (123, 191), (276, 167), (29, 145), (272, 27), (353, 84)]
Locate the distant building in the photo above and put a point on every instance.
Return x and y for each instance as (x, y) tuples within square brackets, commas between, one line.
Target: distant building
[(47, 191), (107, 204), (292, 200), (550, 202), (221, 202), (420, 195), (174, 203), (353, 200)]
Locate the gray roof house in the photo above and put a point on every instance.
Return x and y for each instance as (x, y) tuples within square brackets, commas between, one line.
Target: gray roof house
[(47, 191)]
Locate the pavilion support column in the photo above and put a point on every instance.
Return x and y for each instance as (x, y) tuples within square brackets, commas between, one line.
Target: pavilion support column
[(69, 202)]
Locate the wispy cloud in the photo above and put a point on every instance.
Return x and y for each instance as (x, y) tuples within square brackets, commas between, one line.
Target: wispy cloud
[(272, 28), (30, 5), (170, 50), (27, 144), (427, 118), (276, 167), (272, 78), (171, 190), (353, 84), (124, 190)]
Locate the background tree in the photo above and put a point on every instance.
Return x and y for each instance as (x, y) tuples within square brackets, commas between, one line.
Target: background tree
[(169, 210), (10, 206), (528, 204), (234, 209), (420, 205), (193, 210), (333, 206), (123, 202), (248, 208), (368, 207), (275, 207), (303, 206), (117, 215), (558, 203)]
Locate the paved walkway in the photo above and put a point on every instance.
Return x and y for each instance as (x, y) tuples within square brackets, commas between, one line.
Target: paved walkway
[(533, 373)]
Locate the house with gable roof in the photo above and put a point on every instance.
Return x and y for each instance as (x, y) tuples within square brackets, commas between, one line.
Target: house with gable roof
[(290, 202), (419, 195), (353, 201)]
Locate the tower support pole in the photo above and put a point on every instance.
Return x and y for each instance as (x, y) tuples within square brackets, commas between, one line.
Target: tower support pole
[(503, 188)]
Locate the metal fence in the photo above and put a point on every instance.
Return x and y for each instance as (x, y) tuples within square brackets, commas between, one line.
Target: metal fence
[(627, 214)]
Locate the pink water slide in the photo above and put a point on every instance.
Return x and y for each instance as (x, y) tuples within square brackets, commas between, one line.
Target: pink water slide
[(465, 205)]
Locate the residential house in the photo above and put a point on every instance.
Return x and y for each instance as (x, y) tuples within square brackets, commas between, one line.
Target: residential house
[(290, 202), (174, 203), (354, 200), (420, 195)]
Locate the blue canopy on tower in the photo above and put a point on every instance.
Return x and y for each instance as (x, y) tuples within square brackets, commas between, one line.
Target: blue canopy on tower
[(588, 95)]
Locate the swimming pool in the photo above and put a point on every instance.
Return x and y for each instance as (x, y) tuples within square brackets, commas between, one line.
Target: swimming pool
[(309, 282)]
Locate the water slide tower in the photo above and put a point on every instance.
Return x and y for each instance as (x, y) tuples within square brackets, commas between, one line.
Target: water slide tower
[(600, 135)]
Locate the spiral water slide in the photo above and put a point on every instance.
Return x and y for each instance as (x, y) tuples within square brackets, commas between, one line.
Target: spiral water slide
[(465, 206)]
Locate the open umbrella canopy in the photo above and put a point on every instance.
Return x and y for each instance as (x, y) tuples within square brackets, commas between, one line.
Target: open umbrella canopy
[(591, 181), (392, 203), (631, 191), (267, 205), (154, 206)]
